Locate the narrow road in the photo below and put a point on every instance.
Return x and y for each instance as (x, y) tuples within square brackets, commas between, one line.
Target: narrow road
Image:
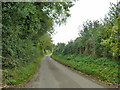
[(54, 75)]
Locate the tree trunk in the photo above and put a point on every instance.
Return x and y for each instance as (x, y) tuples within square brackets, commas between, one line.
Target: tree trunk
[(105, 52), (80, 53), (86, 50), (89, 50), (94, 51)]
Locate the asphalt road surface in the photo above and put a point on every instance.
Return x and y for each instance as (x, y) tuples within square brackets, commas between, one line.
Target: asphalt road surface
[(52, 74)]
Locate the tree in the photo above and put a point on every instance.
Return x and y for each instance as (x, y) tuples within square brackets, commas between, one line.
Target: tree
[(59, 48), (23, 27), (110, 39)]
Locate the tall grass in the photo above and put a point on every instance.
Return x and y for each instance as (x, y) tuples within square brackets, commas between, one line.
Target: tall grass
[(21, 73), (102, 68)]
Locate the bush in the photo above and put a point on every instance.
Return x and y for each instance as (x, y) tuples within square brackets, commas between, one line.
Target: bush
[(102, 68)]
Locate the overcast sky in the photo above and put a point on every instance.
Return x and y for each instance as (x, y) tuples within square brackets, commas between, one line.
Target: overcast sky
[(82, 10)]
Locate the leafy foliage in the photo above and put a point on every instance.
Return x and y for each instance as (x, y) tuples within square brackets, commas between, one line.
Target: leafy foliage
[(97, 49), (102, 68), (97, 38), (21, 74), (27, 27), (26, 32)]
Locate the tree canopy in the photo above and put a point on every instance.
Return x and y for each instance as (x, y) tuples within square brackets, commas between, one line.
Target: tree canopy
[(26, 29), (97, 38)]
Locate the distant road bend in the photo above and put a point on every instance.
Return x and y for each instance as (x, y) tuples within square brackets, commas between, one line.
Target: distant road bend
[(55, 75)]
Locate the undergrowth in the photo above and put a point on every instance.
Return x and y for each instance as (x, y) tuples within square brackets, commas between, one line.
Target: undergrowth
[(22, 73), (102, 68)]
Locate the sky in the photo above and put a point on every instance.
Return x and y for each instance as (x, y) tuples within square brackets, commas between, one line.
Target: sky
[(82, 11)]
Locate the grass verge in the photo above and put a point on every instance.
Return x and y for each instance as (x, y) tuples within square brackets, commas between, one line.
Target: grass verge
[(21, 74), (102, 68)]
